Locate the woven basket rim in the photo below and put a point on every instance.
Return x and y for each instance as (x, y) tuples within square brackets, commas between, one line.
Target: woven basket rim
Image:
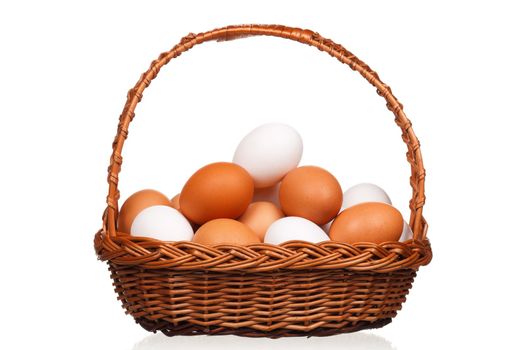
[(149, 253)]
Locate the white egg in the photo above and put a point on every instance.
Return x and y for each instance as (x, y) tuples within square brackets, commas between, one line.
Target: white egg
[(294, 228), (407, 233), (162, 222), (269, 152), (364, 192)]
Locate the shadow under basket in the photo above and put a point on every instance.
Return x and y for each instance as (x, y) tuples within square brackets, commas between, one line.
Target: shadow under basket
[(263, 290)]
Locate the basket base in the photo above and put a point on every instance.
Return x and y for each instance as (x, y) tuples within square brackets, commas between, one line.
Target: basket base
[(192, 329)]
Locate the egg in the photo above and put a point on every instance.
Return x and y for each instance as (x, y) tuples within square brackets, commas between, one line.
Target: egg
[(360, 193), (312, 193), (267, 194), (135, 204), (175, 202), (294, 228), (225, 231), (218, 190), (367, 222), (259, 216), (407, 233), (162, 222), (364, 192), (269, 152)]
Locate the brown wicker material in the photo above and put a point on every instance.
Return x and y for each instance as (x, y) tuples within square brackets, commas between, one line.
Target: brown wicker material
[(294, 289)]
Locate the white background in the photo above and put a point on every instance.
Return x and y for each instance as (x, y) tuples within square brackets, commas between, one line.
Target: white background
[(458, 68)]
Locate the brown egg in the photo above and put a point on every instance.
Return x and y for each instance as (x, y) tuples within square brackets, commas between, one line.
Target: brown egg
[(175, 202), (135, 204), (259, 216), (311, 193), (373, 222), (218, 190), (225, 231)]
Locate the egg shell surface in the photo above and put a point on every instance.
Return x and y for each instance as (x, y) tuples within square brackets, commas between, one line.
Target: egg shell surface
[(162, 222), (218, 190), (269, 152), (294, 228), (312, 193), (135, 204), (373, 222), (364, 192), (225, 231), (260, 215)]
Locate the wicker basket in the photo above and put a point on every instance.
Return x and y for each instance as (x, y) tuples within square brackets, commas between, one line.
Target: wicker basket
[(262, 290)]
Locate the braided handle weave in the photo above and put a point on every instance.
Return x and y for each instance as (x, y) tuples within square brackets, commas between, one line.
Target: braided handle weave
[(417, 222)]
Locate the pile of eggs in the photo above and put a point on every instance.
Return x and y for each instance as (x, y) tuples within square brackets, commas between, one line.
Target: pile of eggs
[(264, 196)]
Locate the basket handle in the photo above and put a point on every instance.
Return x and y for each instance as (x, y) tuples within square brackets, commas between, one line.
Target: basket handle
[(417, 222)]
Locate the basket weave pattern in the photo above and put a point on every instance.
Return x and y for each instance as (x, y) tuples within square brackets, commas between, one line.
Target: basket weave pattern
[(297, 288)]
